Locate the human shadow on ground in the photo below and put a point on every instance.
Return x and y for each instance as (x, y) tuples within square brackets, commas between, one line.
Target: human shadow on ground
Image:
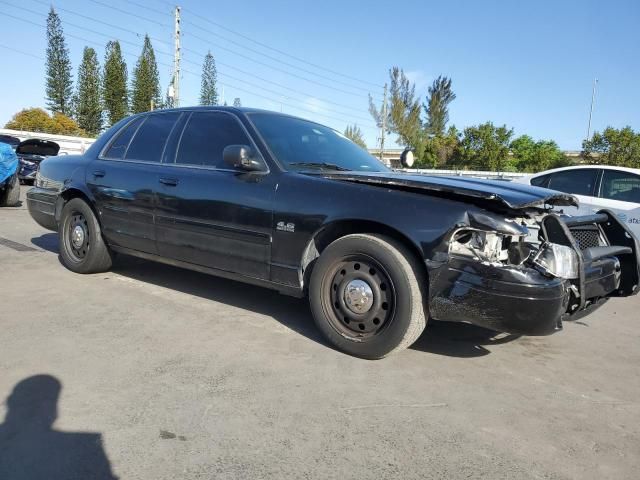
[(30, 448)]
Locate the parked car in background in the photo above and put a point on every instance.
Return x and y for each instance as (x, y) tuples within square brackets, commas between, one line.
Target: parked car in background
[(292, 205), (9, 184), (30, 153), (596, 187), (10, 140)]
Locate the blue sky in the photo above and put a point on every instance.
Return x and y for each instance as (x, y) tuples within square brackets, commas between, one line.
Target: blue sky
[(529, 65)]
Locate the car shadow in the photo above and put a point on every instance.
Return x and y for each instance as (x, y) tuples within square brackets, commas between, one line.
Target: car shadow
[(30, 446), (440, 338), (47, 241), (454, 339)]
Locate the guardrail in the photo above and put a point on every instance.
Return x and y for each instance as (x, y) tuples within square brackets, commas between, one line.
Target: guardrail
[(68, 145), (465, 173)]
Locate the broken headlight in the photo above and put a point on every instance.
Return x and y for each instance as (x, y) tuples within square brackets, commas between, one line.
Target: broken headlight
[(558, 260), (482, 245)]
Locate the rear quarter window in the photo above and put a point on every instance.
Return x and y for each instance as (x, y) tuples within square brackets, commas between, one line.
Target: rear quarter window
[(119, 146), (540, 181)]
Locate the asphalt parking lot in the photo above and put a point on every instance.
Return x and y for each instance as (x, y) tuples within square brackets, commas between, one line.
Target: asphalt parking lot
[(182, 375)]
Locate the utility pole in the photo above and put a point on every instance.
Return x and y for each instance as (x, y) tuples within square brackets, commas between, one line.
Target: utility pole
[(593, 98), (176, 60), (383, 123)]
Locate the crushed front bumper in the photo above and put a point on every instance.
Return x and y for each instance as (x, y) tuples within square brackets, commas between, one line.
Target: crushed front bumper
[(522, 300)]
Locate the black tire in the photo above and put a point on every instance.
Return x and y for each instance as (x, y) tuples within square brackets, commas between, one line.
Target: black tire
[(10, 197), (392, 312), (82, 248)]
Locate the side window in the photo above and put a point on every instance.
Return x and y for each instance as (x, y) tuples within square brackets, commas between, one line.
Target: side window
[(123, 137), (206, 135), (540, 181), (621, 186), (149, 140), (579, 181)]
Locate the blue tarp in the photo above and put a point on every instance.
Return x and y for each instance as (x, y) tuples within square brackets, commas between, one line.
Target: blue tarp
[(8, 161)]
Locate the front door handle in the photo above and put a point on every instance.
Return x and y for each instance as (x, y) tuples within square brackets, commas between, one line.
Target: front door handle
[(169, 182), (98, 173)]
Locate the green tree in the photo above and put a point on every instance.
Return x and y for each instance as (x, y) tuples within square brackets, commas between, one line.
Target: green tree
[(114, 85), (88, 105), (404, 112), (59, 85), (146, 80), (353, 133), (531, 156), (38, 120), (237, 102), (437, 106), (614, 147), (485, 147), (441, 150), (208, 88)]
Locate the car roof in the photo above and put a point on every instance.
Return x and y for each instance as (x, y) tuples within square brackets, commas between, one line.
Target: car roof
[(577, 167)]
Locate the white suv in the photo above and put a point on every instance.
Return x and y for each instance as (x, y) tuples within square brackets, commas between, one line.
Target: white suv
[(597, 187)]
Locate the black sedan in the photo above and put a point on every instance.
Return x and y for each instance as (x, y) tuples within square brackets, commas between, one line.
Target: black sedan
[(291, 205)]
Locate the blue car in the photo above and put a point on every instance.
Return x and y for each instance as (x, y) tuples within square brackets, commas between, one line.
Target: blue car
[(9, 183)]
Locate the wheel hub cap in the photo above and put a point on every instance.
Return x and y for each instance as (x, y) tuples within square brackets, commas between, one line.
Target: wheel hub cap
[(77, 236), (358, 296)]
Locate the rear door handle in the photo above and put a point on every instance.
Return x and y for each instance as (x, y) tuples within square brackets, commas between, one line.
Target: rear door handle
[(98, 173), (169, 182)]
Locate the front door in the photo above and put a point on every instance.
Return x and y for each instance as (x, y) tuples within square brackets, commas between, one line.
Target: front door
[(209, 214), (124, 180)]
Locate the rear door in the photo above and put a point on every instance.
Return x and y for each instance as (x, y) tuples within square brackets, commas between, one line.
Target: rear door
[(124, 179), (208, 213)]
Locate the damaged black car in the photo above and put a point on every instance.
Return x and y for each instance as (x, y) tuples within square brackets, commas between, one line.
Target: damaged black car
[(289, 204), (30, 153)]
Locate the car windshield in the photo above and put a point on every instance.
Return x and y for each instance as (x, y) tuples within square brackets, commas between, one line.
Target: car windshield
[(302, 145)]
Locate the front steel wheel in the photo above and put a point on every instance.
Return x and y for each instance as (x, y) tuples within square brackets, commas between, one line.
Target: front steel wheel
[(367, 295)]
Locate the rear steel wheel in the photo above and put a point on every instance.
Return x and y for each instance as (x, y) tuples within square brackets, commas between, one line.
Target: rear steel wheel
[(82, 248)]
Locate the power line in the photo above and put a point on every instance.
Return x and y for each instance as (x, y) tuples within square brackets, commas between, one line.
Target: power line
[(253, 75), (298, 107), (111, 7), (66, 22), (200, 65), (22, 52), (263, 45), (275, 59), (340, 105), (274, 67), (245, 56)]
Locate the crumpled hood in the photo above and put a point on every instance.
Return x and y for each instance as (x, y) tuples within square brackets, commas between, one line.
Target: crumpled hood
[(509, 194)]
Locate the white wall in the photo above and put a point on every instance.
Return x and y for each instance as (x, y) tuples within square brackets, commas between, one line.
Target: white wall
[(69, 145)]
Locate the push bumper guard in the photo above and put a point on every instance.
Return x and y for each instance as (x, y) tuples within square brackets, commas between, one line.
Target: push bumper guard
[(524, 301)]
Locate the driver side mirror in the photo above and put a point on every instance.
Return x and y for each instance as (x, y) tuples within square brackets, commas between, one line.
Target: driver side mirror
[(242, 158)]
